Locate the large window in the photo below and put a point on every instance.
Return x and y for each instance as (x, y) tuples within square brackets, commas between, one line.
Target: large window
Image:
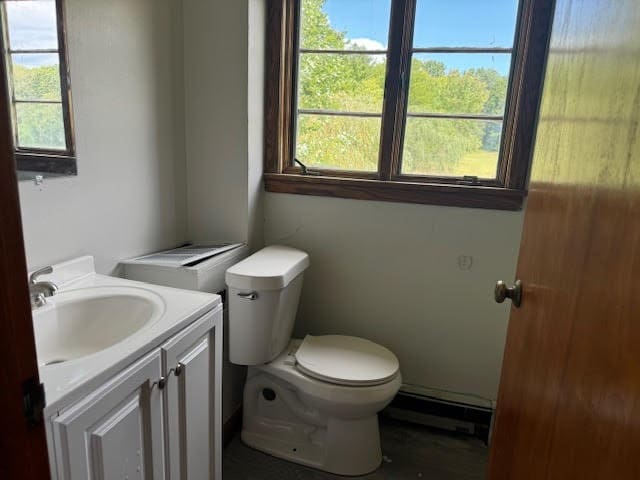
[(38, 78), (428, 101)]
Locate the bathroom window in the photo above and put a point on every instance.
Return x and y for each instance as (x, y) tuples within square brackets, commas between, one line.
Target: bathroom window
[(35, 63), (425, 101)]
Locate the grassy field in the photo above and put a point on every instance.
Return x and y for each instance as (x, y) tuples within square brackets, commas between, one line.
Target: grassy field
[(481, 164)]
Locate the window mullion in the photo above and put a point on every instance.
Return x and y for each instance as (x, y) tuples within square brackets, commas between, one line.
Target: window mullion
[(396, 87)]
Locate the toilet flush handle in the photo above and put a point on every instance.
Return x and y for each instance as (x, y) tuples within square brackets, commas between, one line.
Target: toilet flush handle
[(249, 296)]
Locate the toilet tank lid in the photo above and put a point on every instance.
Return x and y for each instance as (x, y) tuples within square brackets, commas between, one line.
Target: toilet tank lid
[(271, 268)]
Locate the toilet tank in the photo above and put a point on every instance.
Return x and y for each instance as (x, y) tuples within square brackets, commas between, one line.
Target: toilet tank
[(263, 292)]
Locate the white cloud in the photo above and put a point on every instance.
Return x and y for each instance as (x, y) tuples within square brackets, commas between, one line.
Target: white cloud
[(367, 44), (32, 24)]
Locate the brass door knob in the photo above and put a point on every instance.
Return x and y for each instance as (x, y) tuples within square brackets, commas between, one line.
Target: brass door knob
[(502, 292)]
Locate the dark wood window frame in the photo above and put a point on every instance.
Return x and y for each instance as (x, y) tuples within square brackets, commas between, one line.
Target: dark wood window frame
[(39, 161), (506, 192)]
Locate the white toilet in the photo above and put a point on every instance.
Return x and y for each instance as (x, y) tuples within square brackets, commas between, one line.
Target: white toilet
[(312, 401)]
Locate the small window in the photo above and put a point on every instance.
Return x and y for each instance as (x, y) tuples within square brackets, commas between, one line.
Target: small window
[(38, 79), (427, 101)]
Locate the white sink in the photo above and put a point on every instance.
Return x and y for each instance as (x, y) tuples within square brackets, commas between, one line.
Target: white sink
[(82, 322)]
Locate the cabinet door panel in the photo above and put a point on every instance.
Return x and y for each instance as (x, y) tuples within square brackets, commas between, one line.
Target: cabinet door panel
[(197, 406), (194, 402), (117, 441), (117, 431)]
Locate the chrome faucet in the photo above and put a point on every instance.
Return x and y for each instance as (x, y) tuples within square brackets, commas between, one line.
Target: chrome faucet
[(39, 291)]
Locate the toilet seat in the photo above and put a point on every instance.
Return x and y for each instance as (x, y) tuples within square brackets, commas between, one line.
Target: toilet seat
[(344, 360), (320, 391)]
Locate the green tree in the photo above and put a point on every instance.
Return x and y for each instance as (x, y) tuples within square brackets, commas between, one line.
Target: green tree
[(497, 86), (434, 146), (39, 125), (316, 31)]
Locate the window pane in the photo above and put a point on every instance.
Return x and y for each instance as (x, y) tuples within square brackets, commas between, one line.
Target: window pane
[(465, 23), (338, 142), (459, 83), (353, 83), (40, 125), (32, 24), (36, 76), (444, 147), (340, 24)]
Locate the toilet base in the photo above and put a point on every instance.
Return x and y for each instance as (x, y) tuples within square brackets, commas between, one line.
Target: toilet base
[(342, 447), (282, 424)]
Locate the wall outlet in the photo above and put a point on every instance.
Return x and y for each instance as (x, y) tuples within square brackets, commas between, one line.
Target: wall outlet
[(465, 262)]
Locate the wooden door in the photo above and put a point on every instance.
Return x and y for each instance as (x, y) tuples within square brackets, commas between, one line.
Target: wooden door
[(569, 401), (193, 400), (116, 432), (23, 448)]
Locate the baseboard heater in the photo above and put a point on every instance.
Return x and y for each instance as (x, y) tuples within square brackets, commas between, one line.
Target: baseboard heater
[(437, 413)]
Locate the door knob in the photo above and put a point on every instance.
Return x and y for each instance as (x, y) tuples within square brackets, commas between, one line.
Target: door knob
[(502, 292)]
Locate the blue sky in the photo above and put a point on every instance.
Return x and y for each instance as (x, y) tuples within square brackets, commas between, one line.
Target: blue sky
[(442, 23), (32, 25)]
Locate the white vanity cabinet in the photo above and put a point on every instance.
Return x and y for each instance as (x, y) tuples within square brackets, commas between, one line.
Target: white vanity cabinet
[(193, 401), (159, 418), (117, 431)]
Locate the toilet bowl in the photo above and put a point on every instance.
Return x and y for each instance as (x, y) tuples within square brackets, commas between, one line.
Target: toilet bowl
[(313, 401)]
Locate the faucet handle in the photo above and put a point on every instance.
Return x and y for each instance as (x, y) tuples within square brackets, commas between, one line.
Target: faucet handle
[(38, 300), (33, 278)]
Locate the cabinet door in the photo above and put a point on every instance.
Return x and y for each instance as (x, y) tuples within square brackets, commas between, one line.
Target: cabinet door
[(193, 399), (116, 432)]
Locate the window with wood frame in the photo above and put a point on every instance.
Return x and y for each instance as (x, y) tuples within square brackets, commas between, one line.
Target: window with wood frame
[(35, 62), (422, 101)]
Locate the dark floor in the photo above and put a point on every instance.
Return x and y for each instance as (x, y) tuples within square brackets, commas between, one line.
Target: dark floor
[(410, 451)]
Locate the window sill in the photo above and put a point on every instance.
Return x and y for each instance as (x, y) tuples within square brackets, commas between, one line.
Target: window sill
[(406, 192), (48, 165)]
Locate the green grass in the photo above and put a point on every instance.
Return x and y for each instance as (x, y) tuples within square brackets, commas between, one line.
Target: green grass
[(481, 164)]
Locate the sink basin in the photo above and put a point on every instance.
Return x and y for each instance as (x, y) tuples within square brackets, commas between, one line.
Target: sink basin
[(82, 322)]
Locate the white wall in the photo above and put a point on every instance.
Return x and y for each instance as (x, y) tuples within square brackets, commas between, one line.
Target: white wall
[(224, 71), (389, 272), (257, 17), (129, 195), (224, 98)]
